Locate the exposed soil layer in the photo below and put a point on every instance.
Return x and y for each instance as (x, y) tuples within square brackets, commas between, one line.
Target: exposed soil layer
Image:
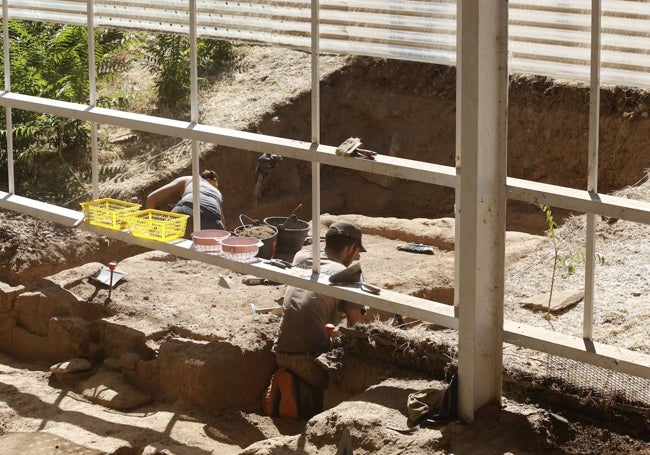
[(178, 360), (409, 110)]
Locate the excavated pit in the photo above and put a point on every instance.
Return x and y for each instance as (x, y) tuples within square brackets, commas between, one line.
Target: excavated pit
[(164, 337)]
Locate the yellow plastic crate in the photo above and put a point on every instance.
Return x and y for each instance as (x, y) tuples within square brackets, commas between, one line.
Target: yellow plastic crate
[(157, 225), (108, 213)]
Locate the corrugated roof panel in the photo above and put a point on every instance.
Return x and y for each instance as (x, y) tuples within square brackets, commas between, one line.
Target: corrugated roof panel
[(553, 33)]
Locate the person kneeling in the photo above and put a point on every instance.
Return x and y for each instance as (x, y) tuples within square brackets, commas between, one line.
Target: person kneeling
[(296, 388)]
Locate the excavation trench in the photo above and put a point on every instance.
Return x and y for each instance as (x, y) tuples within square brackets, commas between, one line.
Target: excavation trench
[(157, 336), (177, 330)]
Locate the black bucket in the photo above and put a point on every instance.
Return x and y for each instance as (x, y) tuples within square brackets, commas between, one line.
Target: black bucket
[(265, 232), (291, 233)]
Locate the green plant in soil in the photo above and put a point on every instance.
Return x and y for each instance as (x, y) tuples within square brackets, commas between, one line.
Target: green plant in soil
[(568, 261)]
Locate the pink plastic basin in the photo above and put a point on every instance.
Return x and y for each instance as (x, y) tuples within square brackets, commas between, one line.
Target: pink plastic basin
[(240, 248), (209, 240)]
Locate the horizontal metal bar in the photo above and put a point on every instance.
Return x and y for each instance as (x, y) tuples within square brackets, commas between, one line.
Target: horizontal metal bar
[(518, 189), (41, 210), (597, 354), (384, 164), (578, 200), (392, 302), (613, 358), (610, 357)]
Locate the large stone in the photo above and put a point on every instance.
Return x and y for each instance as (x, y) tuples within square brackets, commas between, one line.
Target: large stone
[(69, 302), (110, 389), (118, 339), (72, 371), (66, 338), (6, 330), (70, 277), (129, 360), (35, 308), (8, 296), (215, 375), (71, 366), (560, 301)]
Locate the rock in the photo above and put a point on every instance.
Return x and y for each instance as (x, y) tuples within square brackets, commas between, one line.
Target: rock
[(223, 282), (112, 363), (66, 338), (70, 277), (71, 366), (72, 371), (34, 310), (117, 339), (560, 300), (110, 389), (8, 294), (129, 360), (216, 375)]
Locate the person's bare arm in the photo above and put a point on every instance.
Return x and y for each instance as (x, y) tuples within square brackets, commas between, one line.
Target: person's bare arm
[(223, 219), (173, 188), (353, 316)]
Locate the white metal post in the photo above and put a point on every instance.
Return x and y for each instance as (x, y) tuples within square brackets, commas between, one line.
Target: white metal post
[(315, 131), (92, 82), (194, 119), (592, 178), (9, 124), (481, 136)]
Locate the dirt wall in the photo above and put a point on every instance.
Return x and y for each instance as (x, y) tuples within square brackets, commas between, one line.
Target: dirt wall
[(408, 110)]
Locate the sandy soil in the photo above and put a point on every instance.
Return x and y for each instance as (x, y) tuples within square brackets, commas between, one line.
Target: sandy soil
[(172, 300)]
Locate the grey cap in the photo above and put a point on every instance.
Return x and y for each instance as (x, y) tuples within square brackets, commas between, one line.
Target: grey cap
[(346, 229)]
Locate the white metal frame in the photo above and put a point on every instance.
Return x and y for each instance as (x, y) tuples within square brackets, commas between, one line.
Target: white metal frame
[(481, 137), (479, 179)]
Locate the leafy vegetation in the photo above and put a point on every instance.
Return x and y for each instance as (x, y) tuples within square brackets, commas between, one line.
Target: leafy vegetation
[(169, 61), (51, 61), (568, 261)]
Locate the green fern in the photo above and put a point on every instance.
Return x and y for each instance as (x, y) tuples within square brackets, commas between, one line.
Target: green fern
[(51, 61)]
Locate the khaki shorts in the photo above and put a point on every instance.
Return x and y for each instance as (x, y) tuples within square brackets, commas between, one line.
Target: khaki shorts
[(305, 367)]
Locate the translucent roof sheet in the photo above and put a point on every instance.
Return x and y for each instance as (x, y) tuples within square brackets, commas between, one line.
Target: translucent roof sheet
[(547, 37)]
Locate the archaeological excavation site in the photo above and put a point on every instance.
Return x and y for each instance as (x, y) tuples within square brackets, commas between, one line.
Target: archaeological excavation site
[(174, 358), (116, 344)]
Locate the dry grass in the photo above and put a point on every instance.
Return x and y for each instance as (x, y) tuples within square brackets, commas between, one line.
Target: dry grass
[(622, 282), (259, 78)]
